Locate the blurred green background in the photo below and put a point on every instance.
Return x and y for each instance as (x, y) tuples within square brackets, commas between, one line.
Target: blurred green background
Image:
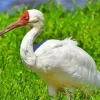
[(19, 83)]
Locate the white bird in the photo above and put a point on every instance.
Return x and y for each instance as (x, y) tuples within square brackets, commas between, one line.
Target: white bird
[(61, 63)]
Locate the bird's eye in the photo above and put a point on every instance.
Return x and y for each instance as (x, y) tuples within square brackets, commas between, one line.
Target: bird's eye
[(35, 21)]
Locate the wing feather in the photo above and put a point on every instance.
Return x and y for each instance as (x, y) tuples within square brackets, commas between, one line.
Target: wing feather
[(67, 59)]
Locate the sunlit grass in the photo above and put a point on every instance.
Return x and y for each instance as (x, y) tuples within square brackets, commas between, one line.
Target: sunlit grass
[(19, 83)]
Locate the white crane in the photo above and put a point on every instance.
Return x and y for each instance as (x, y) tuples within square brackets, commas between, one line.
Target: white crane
[(61, 63)]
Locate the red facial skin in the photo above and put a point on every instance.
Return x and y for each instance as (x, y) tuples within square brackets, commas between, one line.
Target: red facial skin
[(24, 18)]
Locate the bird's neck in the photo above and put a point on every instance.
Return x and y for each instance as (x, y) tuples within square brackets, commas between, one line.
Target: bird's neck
[(26, 49)]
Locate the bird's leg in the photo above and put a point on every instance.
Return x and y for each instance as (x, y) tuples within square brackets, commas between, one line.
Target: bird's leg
[(52, 91), (69, 93)]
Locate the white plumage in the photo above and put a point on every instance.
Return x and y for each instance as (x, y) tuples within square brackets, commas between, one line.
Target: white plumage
[(61, 63)]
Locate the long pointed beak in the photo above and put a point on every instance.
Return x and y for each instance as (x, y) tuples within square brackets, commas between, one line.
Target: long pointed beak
[(11, 26)]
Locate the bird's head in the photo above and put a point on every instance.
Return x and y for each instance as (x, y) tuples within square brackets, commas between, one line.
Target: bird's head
[(32, 17)]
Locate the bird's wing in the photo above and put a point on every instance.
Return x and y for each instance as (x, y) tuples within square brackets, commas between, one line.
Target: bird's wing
[(38, 45), (66, 58)]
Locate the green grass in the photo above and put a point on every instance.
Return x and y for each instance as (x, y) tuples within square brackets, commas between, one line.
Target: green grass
[(19, 83)]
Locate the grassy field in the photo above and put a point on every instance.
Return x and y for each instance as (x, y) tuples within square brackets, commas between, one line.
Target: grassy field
[(19, 83)]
